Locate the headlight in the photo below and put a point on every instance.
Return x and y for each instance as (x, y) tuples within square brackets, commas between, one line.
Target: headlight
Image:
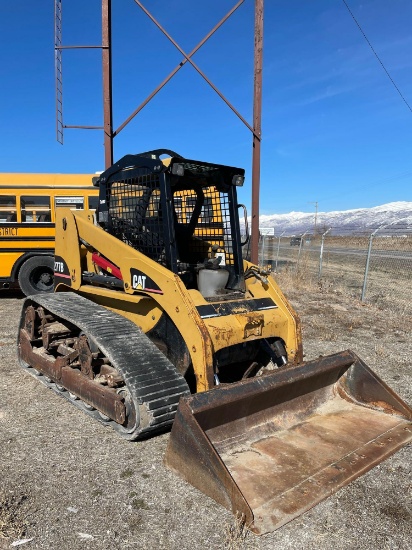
[(178, 169), (238, 181)]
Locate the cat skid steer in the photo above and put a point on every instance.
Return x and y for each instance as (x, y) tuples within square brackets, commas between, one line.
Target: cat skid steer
[(157, 320)]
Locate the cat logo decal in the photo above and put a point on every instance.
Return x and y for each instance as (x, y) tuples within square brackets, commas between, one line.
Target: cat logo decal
[(140, 281)]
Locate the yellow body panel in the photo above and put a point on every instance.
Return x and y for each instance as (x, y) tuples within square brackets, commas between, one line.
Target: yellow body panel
[(7, 261), (203, 337), (142, 310)]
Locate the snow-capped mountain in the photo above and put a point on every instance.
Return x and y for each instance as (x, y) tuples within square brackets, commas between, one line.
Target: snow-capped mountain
[(396, 214)]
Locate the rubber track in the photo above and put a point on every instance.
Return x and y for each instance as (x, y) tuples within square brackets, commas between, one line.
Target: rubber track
[(154, 383)]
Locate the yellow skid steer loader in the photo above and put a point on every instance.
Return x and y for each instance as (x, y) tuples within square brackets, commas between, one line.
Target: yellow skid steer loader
[(157, 320)]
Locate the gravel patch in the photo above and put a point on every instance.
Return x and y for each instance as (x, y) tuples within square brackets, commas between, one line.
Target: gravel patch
[(68, 482)]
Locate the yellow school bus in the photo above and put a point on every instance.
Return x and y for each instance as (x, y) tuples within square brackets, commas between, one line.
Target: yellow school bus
[(28, 204)]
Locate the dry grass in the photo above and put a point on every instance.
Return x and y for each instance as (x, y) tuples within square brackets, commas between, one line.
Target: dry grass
[(14, 518), (347, 314), (389, 281), (389, 291), (236, 533), (361, 242)]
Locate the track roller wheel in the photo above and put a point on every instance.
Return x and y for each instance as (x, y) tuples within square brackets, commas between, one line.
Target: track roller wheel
[(132, 415), (104, 417), (73, 396)]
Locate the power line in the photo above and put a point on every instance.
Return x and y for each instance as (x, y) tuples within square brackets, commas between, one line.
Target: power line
[(377, 57)]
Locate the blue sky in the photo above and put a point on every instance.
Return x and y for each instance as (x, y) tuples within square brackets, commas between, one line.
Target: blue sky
[(334, 129)]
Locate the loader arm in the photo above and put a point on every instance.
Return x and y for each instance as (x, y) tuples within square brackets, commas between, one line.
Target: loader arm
[(170, 296)]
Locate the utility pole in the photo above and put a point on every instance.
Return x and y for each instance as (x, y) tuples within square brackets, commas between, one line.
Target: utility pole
[(316, 213), (257, 129), (107, 81)]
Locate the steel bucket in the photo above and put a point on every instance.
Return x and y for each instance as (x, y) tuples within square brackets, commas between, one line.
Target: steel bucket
[(272, 447)]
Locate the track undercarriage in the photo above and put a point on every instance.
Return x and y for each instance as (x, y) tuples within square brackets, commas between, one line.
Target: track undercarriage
[(101, 362)]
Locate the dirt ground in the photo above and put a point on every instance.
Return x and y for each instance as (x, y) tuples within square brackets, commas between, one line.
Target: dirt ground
[(68, 482)]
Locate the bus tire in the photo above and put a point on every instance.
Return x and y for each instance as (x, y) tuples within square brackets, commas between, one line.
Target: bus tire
[(36, 275)]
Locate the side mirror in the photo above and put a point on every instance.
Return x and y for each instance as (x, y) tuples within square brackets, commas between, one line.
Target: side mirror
[(242, 243)]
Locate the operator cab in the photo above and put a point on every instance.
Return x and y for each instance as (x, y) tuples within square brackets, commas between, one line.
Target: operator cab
[(178, 212)]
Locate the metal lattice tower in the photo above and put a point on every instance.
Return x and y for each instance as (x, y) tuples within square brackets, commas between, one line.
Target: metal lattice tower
[(58, 69), (110, 132)]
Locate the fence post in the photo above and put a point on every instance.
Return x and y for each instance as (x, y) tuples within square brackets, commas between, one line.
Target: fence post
[(262, 262), (300, 249), (365, 277), (277, 254), (369, 253), (321, 251)]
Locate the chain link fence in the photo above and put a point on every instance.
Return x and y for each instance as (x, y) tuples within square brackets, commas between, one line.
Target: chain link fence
[(373, 266)]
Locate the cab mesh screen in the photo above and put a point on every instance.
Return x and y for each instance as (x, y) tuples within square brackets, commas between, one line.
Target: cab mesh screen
[(135, 214), (202, 225), (199, 221)]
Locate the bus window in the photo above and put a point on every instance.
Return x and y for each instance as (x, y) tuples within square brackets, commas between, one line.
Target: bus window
[(153, 209), (93, 203), (28, 204), (70, 202), (177, 201), (35, 209), (8, 212), (206, 214)]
